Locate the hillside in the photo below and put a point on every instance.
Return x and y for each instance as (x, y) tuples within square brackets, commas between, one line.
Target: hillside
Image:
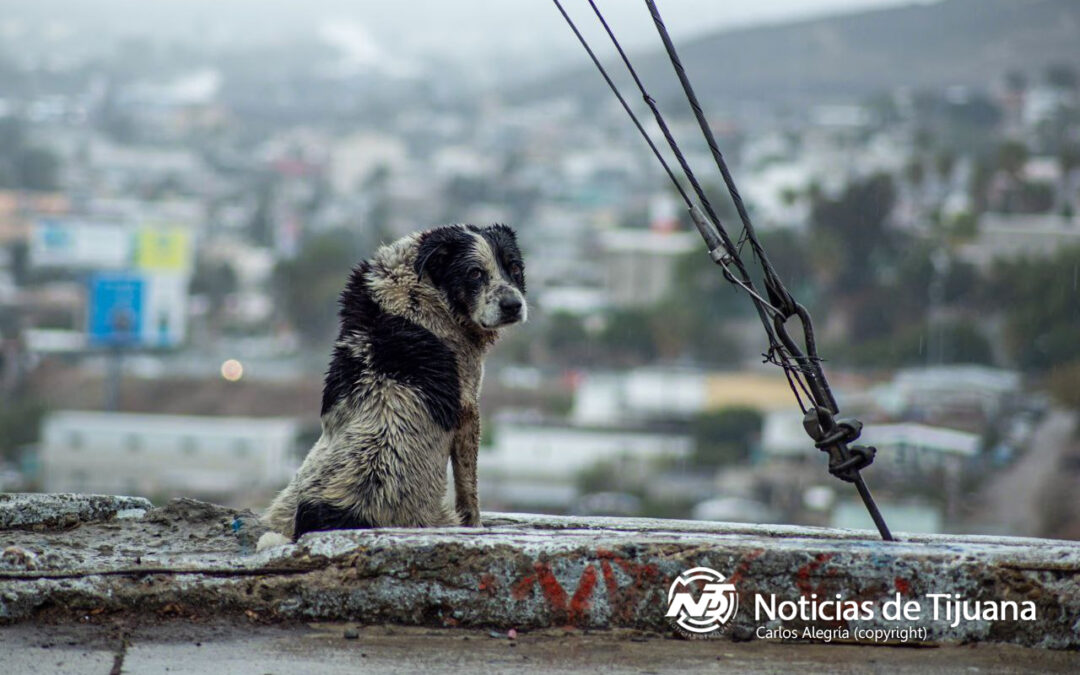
[(966, 42)]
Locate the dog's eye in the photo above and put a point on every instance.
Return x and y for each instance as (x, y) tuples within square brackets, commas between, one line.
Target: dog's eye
[(476, 274), (515, 269)]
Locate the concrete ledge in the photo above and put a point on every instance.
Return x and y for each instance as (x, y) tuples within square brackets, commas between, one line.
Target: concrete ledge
[(193, 559), (41, 511)]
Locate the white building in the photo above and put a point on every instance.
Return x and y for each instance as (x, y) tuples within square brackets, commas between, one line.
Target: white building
[(904, 450), (917, 449), (355, 158), (1010, 236), (538, 464), (128, 453), (941, 390), (642, 394), (639, 265)]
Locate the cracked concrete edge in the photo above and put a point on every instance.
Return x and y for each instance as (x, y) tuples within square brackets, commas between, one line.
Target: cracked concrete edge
[(540, 571), (869, 537), (28, 510), (454, 584)]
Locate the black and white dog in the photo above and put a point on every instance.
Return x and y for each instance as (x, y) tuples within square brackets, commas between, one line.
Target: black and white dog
[(402, 391)]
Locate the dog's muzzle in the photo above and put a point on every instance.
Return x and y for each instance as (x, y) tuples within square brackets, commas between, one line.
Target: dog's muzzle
[(510, 306)]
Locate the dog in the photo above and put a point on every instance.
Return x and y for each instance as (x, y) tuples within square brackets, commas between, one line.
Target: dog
[(401, 394)]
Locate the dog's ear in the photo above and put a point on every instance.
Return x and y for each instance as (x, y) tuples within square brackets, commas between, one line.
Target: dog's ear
[(433, 248), (424, 255), (500, 230)]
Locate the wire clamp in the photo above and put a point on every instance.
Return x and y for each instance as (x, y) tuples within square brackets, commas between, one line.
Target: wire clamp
[(834, 436)]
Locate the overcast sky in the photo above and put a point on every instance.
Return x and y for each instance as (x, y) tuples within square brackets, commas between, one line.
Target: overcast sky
[(528, 25), (526, 35)]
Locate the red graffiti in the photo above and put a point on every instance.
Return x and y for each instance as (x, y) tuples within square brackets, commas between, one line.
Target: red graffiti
[(581, 602), (549, 585), (624, 601), (902, 585), (744, 565), (610, 582), (802, 577), (522, 588), (575, 609)]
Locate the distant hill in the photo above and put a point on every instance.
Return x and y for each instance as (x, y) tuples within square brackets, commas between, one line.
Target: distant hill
[(965, 42)]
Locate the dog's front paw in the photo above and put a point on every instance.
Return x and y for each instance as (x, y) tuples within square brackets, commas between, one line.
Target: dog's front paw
[(470, 518)]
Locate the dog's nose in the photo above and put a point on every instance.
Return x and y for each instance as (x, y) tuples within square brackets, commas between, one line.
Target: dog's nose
[(510, 305)]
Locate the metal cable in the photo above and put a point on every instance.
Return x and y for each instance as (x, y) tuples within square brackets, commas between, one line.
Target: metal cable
[(780, 355), (832, 436)]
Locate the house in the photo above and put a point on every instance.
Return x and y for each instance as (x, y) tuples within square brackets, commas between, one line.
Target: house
[(639, 265), (904, 450), (536, 464), (659, 393), (939, 392), (140, 454), (1011, 236)]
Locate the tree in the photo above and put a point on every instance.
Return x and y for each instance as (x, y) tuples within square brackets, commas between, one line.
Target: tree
[(852, 233), (1040, 300), (1064, 384), (1061, 75), (12, 134), (20, 421), (214, 280), (725, 436), (920, 344), (565, 332), (261, 227), (38, 169), (1016, 81), (1011, 157), (1069, 157), (915, 173), (944, 162), (25, 166), (307, 287), (628, 334)]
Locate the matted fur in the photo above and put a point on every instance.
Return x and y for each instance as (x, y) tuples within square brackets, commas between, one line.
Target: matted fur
[(402, 391)]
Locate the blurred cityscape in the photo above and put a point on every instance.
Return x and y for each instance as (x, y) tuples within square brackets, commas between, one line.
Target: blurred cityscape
[(178, 216)]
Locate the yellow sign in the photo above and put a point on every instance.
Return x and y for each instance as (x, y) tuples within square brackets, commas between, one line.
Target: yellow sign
[(163, 249), (763, 391)]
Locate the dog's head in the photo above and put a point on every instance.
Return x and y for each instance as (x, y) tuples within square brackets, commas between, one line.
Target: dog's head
[(479, 270)]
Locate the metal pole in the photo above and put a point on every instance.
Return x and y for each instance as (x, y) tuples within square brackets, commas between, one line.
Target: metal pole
[(113, 378)]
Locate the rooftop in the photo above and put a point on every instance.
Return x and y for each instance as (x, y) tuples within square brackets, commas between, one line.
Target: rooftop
[(72, 560)]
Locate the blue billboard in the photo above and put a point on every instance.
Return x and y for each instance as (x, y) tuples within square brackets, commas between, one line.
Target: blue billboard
[(115, 309)]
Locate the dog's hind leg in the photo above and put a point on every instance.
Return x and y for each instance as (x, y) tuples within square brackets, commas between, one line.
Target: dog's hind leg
[(463, 453)]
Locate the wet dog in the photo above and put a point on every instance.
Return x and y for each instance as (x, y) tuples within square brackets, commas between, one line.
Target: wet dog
[(402, 391)]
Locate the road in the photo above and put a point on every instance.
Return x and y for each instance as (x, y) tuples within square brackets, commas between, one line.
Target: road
[(249, 649), (1009, 500)]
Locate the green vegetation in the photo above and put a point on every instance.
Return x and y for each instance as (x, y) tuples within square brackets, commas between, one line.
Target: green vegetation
[(1064, 384), (920, 344), (25, 166), (307, 287), (1039, 301), (214, 280), (20, 422), (725, 436)]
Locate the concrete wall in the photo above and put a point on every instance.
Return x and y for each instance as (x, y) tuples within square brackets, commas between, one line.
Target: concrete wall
[(71, 558)]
